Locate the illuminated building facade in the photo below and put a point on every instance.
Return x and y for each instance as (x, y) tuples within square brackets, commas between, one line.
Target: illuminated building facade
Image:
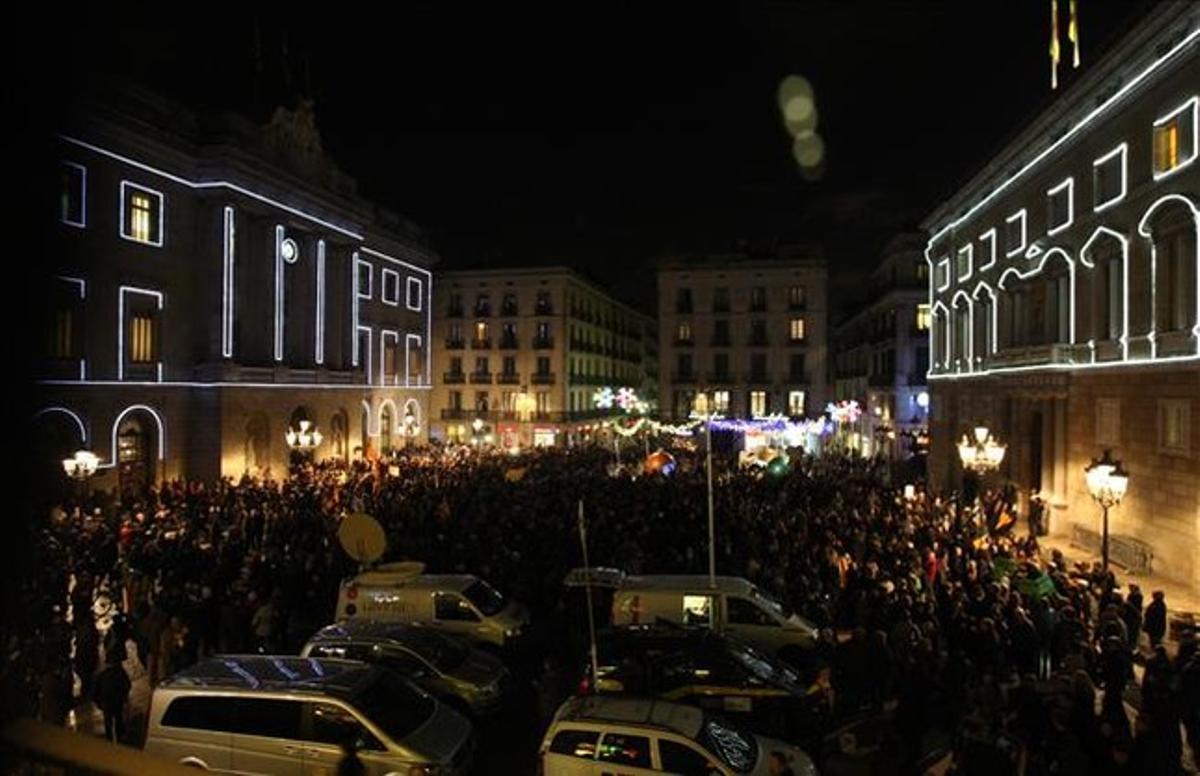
[(750, 330), (1065, 298), (882, 351), (542, 335), (210, 284)]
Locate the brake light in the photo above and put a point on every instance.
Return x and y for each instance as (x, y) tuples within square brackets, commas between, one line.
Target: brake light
[(585, 686)]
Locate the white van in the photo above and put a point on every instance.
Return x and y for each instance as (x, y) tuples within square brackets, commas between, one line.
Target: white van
[(458, 604), (291, 716), (732, 605)]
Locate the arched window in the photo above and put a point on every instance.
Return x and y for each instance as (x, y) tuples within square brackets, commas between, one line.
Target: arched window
[(961, 339), (984, 323), (1104, 257), (339, 425), (386, 424), (1174, 235), (1054, 305)]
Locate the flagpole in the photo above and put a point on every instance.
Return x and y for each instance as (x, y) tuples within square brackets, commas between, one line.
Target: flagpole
[(587, 576)]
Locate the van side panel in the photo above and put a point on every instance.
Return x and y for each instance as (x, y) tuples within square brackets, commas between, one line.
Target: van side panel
[(211, 749)]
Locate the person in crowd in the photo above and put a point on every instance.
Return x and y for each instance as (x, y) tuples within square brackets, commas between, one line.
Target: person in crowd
[(1156, 619), (112, 694)]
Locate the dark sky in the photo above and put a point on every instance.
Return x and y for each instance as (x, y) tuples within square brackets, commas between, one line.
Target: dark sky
[(600, 136)]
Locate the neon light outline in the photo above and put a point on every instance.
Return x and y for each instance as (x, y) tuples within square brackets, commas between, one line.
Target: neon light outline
[(121, 325), (968, 348), (408, 293), (83, 437), (407, 339), (356, 304), (1023, 216), (319, 345), (209, 185), (945, 334), (1116, 96), (1037, 271), (384, 334), (1123, 151), (354, 308), (1051, 365), (1192, 102), (945, 262), (1144, 231), (384, 272), (428, 307), (227, 287), (62, 217), (969, 249), (370, 338), (281, 260), (161, 209), (162, 433), (1083, 259), (1069, 185), (990, 238), (995, 306)]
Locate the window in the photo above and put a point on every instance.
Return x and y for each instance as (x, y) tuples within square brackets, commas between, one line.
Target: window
[(389, 345), (481, 334), (721, 332), (683, 300), (509, 365), (743, 612), (684, 332), (508, 304), (683, 759), (1060, 205), (543, 332), (758, 403), (1112, 276), (963, 262), (543, 402), (1108, 422), (758, 299), (481, 365), (576, 743), (796, 330), (267, 717), (1015, 233), (987, 252), (200, 713), (633, 751), (721, 366), (684, 365), (923, 317), (508, 335), (1109, 178), (543, 365), (72, 207), (483, 305), (922, 269), (796, 403), (334, 725), (141, 339), (697, 609), (414, 291), (543, 306), (1176, 248), (366, 277), (758, 366), (64, 334), (455, 307), (942, 276), (1174, 426), (721, 401), (456, 365), (1175, 139), (758, 332), (796, 297), (141, 214), (796, 371), (452, 607), (720, 299)]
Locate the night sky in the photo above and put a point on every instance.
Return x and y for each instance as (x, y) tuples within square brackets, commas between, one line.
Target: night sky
[(601, 137)]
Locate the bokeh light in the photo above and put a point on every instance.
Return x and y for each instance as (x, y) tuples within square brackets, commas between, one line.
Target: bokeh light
[(809, 149)]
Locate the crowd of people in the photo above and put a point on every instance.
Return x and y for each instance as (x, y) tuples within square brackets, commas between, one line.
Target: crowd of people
[(945, 619)]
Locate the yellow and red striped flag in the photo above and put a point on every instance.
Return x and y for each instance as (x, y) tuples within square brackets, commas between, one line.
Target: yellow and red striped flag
[(1054, 50), (1073, 32)]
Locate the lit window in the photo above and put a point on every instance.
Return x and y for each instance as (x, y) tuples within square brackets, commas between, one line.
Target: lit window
[(390, 293), (1108, 178), (721, 401), (481, 331), (72, 206), (62, 342), (1175, 139), (758, 403), (1015, 235), (685, 332), (964, 261), (922, 270), (141, 216), (796, 403), (414, 291), (796, 330), (1060, 204), (923, 317), (141, 339)]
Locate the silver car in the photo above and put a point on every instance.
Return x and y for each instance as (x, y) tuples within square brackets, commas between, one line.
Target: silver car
[(463, 676)]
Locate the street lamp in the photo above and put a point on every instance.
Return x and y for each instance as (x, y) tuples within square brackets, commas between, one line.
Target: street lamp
[(1107, 481), (80, 467), (476, 426), (702, 410), (306, 440), (409, 426), (983, 454)]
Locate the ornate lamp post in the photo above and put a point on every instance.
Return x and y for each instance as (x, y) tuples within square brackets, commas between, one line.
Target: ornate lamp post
[(1107, 481), (702, 410), (410, 427), (983, 453), (80, 467), (304, 441)]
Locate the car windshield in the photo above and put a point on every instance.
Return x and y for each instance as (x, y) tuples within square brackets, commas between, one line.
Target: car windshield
[(485, 598), (443, 652), (395, 705), (731, 746)]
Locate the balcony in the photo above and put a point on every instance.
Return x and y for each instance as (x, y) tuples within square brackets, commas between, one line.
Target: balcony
[(720, 378), (481, 344), (508, 378), (454, 344), (457, 413), (543, 343), (798, 378), (683, 307), (797, 343), (509, 343), (759, 306), (797, 307), (542, 378), (683, 377), (481, 377), (452, 378)]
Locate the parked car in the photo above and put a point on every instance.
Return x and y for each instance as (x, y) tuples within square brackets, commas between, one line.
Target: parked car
[(714, 671), (291, 716), (466, 678), (596, 735)]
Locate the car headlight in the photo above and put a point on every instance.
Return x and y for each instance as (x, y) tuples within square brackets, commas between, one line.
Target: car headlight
[(512, 633)]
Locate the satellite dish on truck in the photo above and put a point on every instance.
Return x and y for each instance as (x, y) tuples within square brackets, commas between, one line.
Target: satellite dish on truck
[(362, 538)]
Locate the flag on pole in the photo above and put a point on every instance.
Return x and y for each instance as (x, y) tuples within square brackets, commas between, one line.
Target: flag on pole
[(1073, 32), (1054, 50)]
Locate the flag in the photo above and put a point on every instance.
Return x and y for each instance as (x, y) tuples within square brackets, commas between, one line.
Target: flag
[(1054, 51), (1073, 32)]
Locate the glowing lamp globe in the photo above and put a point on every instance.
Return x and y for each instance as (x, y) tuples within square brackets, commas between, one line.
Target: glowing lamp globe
[(660, 462), (778, 466)]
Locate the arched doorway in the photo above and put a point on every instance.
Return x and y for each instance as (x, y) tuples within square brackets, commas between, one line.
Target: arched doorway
[(55, 433), (339, 426), (387, 422), (257, 450), (137, 453)]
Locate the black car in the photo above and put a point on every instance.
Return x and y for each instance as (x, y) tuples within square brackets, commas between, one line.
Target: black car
[(700, 667)]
